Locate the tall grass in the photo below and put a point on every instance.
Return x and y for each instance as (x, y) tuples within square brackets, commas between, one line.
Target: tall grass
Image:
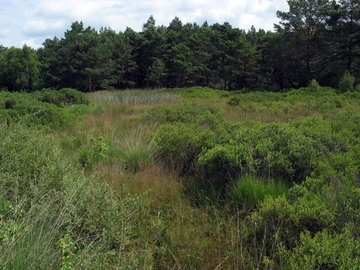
[(136, 149), (135, 97), (44, 197), (248, 191)]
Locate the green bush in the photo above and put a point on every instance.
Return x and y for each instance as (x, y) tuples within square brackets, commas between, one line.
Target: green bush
[(347, 83), (223, 163), (65, 96), (27, 108), (325, 250), (274, 151), (73, 96), (314, 225), (203, 115), (51, 96), (179, 146), (279, 223)]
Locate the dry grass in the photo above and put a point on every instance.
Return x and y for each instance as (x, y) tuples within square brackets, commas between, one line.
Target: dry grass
[(191, 238), (160, 185), (238, 114)]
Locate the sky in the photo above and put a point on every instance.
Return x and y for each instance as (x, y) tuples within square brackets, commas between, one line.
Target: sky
[(31, 22)]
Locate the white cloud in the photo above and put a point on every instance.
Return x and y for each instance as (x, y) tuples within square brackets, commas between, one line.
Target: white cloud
[(31, 43), (40, 19)]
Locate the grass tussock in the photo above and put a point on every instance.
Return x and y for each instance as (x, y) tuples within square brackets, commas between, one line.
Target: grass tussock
[(136, 149), (135, 97), (248, 191)]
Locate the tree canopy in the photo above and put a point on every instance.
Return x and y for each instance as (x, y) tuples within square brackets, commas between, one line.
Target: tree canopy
[(315, 39)]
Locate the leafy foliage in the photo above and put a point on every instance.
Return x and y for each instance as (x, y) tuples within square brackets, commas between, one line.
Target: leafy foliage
[(314, 40), (40, 108), (347, 83)]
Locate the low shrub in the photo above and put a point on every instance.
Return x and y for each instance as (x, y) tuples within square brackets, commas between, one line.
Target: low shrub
[(324, 250), (65, 96), (73, 96), (203, 115), (179, 146), (278, 224), (27, 108), (269, 151)]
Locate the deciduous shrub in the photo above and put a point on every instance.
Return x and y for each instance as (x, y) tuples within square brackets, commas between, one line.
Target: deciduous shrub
[(65, 96), (179, 146), (73, 96), (324, 250), (279, 222), (34, 112), (268, 150)]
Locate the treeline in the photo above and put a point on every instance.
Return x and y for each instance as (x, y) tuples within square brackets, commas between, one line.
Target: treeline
[(315, 39)]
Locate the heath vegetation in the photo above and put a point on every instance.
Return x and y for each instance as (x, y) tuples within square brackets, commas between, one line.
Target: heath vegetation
[(214, 180)]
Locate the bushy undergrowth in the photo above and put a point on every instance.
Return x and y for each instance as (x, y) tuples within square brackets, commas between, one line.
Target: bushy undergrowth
[(301, 102), (64, 96), (316, 155), (218, 189), (41, 108)]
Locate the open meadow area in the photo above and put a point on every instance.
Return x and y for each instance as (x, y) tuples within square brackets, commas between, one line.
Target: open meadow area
[(182, 178)]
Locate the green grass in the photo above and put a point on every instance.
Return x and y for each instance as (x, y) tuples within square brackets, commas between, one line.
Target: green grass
[(248, 191), (136, 148)]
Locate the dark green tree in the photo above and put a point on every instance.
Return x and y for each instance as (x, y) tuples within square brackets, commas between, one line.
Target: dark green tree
[(180, 66), (19, 68), (52, 63), (202, 48), (344, 24), (304, 26), (151, 47), (244, 62), (222, 62), (124, 55), (155, 73)]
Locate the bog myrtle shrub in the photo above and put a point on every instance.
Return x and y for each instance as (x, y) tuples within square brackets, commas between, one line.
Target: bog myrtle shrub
[(38, 108), (186, 113), (179, 146), (64, 96), (267, 150)]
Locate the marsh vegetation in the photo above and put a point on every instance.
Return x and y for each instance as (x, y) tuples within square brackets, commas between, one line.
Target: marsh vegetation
[(189, 178)]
